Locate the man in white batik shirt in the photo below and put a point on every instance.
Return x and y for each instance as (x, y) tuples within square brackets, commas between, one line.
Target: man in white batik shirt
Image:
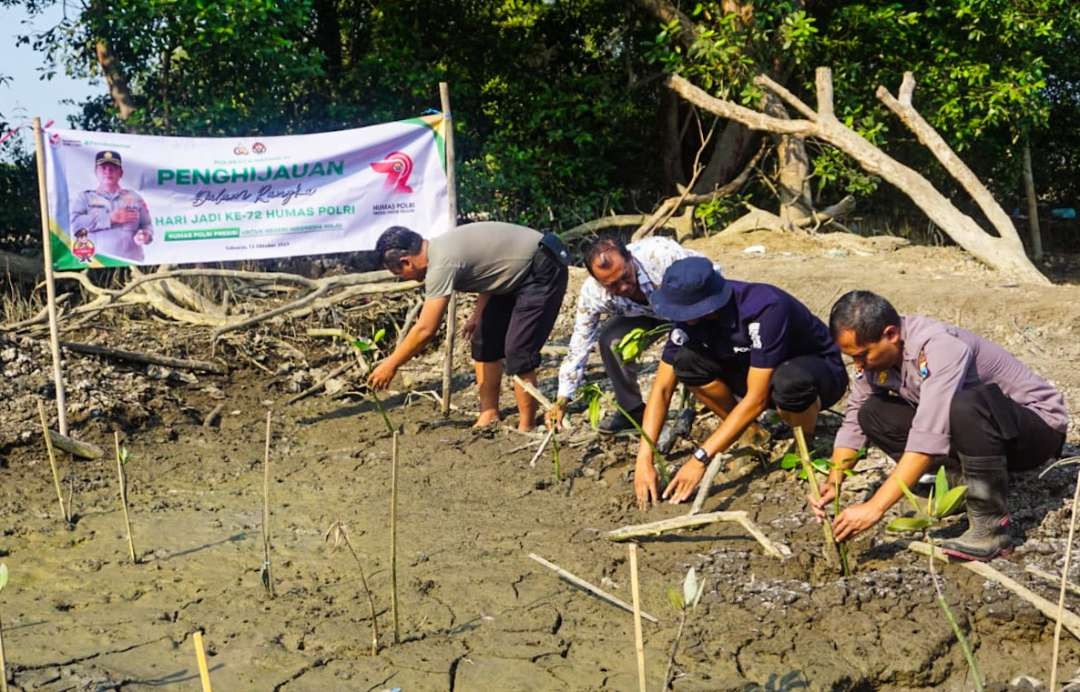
[(622, 279)]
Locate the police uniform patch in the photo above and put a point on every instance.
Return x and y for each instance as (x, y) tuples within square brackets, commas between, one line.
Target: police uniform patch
[(882, 378), (924, 367)]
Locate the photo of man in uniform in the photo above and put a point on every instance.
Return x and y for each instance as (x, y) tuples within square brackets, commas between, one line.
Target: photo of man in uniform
[(115, 219)]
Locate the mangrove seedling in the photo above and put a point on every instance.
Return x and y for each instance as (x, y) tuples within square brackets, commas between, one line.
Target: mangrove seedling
[(942, 502), (360, 347), (637, 340), (596, 398), (832, 548), (339, 535), (685, 602), (121, 476), (3, 661)]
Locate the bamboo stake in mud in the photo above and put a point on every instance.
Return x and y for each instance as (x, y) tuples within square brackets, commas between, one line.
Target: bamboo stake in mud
[(831, 548), (265, 573), (3, 661), (1064, 584), (52, 462), (200, 656), (639, 645), (451, 204), (393, 537), (122, 478), (50, 286), (586, 586)]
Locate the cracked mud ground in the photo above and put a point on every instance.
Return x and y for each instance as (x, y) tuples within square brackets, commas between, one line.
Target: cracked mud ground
[(476, 613)]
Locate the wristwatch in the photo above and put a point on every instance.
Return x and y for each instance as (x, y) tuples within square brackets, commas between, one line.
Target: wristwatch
[(701, 455)]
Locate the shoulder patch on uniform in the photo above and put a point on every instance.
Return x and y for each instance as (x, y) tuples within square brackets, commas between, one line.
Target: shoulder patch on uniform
[(924, 367)]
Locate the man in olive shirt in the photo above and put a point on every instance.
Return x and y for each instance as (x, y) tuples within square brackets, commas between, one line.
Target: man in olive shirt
[(520, 276)]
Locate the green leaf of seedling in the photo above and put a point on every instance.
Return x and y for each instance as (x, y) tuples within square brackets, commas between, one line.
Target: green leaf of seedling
[(630, 337), (378, 336), (697, 596), (907, 524), (789, 461), (941, 483), (363, 345), (950, 501), (820, 465), (3, 576), (690, 586), (909, 495), (123, 455), (675, 598), (594, 412)]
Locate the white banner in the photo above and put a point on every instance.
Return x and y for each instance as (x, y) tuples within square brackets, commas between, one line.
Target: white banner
[(117, 199)]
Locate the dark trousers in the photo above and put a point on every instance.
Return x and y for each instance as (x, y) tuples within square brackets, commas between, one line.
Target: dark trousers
[(983, 422), (516, 325), (623, 376)]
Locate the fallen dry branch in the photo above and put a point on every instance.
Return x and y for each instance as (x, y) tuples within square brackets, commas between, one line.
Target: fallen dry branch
[(595, 590), (1004, 252), (758, 219), (533, 392), (1052, 578), (146, 358), (1069, 620), (322, 382), (656, 528), (83, 450)]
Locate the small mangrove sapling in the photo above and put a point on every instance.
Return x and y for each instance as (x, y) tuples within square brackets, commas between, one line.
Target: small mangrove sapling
[(339, 535), (596, 398), (685, 602), (121, 462), (361, 346), (3, 661), (942, 502)]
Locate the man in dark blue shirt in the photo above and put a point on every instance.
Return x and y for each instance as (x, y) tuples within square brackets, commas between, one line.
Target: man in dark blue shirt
[(740, 347)]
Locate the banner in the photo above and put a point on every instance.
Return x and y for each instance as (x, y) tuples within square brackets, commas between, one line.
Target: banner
[(119, 200)]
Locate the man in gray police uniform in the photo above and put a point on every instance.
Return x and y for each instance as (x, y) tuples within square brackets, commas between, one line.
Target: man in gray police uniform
[(115, 219)]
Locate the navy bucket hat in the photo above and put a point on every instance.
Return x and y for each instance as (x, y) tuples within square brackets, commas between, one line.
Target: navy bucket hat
[(691, 289)]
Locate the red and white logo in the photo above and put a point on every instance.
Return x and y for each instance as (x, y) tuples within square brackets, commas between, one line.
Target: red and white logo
[(397, 167)]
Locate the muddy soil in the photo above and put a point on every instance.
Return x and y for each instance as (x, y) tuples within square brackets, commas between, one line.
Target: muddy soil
[(475, 612)]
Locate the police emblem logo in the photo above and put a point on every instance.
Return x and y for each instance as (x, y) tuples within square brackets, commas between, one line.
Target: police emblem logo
[(258, 148), (882, 377)]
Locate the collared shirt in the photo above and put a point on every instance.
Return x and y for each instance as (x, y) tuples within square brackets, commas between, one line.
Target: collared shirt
[(651, 256), (762, 327), (938, 361), (92, 210)]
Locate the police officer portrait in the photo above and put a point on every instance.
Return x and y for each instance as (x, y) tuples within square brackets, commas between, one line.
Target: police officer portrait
[(110, 220)]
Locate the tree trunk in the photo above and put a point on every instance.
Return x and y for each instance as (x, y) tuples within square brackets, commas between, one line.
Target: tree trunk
[(670, 142), (118, 87), (793, 165), (1032, 204), (1004, 253)]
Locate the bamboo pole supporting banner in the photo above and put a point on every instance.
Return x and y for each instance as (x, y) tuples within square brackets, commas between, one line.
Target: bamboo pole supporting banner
[(635, 593), (52, 462), (451, 203), (50, 287), (122, 478), (393, 537), (586, 586), (200, 656)]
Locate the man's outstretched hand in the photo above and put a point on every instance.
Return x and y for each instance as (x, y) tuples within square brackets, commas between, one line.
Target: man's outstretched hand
[(685, 482)]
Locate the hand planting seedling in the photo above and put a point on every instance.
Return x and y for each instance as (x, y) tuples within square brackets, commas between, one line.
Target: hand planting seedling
[(822, 465), (942, 502), (360, 347), (685, 602), (596, 397)]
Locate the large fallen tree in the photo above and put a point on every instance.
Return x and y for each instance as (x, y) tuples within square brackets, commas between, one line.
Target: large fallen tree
[(1004, 252)]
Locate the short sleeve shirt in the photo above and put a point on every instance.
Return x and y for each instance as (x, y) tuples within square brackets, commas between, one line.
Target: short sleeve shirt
[(484, 257), (762, 327)]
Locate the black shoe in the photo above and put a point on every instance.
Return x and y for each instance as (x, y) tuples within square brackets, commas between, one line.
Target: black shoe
[(615, 422)]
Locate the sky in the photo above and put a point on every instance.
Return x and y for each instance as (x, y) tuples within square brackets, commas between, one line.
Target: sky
[(25, 94)]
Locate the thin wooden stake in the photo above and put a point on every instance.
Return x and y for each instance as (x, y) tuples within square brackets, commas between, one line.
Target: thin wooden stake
[(52, 462), (639, 645), (267, 575), (393, 537), (122, 478), (1064, 578), (50, 287), (451, 203), (831, 549), (200, 656), (3, 661), (595, 590)]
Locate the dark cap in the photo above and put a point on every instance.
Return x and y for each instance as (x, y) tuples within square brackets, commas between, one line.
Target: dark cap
[(107, 157), (691, 289)]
